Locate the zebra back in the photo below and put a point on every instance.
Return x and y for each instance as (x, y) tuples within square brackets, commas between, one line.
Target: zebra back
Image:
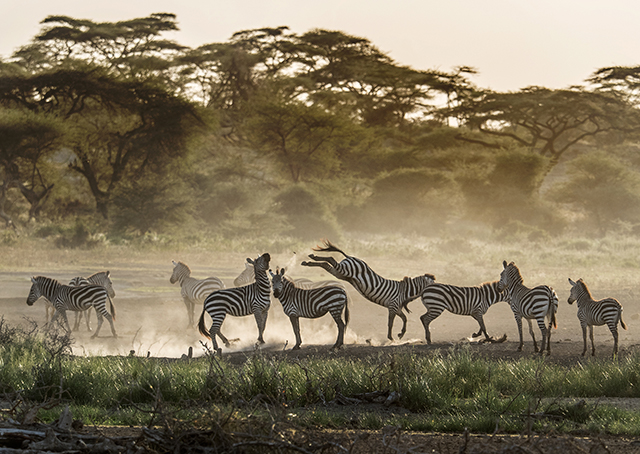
[(308, 302), (463, 300)]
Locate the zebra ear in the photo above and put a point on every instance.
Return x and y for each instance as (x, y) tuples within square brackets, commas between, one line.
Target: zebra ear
[(33, 281), (282, 272), (174, 263), (504, 263), (571, 282), (250, 261), (108, 273), (271, 273)]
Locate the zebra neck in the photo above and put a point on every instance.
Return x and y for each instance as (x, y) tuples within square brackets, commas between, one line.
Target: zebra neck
[(262, 282)]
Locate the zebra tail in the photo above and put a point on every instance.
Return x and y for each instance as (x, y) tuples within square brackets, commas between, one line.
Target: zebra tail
[(112, 307), (203, 329), (405, 306), (328, 247), (622, 321)]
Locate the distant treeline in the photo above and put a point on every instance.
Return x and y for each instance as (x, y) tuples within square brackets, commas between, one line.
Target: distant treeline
[(115, 128)]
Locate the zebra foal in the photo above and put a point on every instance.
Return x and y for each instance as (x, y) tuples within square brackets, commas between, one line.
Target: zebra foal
[(394, 295), (472, 301), (239, 301), (538, 303), (66, 298), (311, 303), (193, 291), (591, 312)]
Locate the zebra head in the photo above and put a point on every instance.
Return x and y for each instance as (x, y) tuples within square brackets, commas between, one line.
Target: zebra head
[(277, 282), (34, 293), (261, 263), (180, 271), (510, 275), (103, 278), (577, 290)]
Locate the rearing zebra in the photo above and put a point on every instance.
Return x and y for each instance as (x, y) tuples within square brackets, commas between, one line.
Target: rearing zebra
[(101, 278), (66, 298), (311, 303), (247, 277), (394, 295), (591, 312), (239, 301), (473, 301), (193, 291), (529, 303)]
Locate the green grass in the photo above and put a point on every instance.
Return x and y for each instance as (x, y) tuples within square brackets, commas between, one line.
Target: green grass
[(445, 391)]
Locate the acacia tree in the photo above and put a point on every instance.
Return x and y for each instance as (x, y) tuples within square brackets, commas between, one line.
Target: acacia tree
[(548, 122)]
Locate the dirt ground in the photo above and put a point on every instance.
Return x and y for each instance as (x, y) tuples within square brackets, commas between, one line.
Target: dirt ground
[(151, 320)]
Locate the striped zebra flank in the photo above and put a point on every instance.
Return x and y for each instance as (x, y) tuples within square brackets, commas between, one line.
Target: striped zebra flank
[(193, 291), (471, 301), (239, 301), (101, 278), (65, 297), (539, 303), (394, 295), (595, 313), (311, 303)]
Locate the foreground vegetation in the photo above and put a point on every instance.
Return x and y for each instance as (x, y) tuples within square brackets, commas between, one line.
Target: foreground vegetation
[(446, 391)]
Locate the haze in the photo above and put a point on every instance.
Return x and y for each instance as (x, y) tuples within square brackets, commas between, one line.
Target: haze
[(513, 43)]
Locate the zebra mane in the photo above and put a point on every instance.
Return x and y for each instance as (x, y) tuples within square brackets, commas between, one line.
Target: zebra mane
[(515, 271), (584, 288), (43, 280), (105, 273)]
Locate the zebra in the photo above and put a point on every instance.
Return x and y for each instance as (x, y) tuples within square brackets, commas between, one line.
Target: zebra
[(239, 301), (65, 298), (193, 291), (247, 277), (311, 303), (529, 303), (591, 312), (473, 301), (101, 278), (394, 295)]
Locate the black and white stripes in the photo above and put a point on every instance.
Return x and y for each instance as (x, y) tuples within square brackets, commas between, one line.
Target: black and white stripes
[(472, 301), (394, 295), (311, 303), (538, 303), (239, 301), (193, 291), (64, 298), (591, 312)]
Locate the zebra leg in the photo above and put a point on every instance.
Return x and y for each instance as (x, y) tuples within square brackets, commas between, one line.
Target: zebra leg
[(584, 338), (330, 260), (328, 268), (66, 320), (337, 316), (519, 323), (614, 332), (224, 340), (215, 330), (426, 320), (295, 323), (190, 309), (546, 334), (593, 346), (483, 330), (78, 319), (261, 321), (100, 321), (533, 336), (404, 323), (87, 316)]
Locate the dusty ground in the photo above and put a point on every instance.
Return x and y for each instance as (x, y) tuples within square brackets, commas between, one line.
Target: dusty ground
[(151, 320)]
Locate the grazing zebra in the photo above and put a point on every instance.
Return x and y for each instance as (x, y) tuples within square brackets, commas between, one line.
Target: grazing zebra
[(239, 301), (394, 295), (66, 298), (529, 303), (473, 301), (193, 291), (591, 312), (311, 303), (101, 278)]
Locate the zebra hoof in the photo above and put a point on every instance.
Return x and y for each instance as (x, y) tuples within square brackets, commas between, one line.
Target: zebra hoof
[(296, 347)]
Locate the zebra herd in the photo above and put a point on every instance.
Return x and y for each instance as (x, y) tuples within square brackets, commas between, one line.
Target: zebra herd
[(306, 299)]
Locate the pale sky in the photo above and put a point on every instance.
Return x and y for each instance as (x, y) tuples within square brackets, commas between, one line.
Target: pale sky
[(512, 43)]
